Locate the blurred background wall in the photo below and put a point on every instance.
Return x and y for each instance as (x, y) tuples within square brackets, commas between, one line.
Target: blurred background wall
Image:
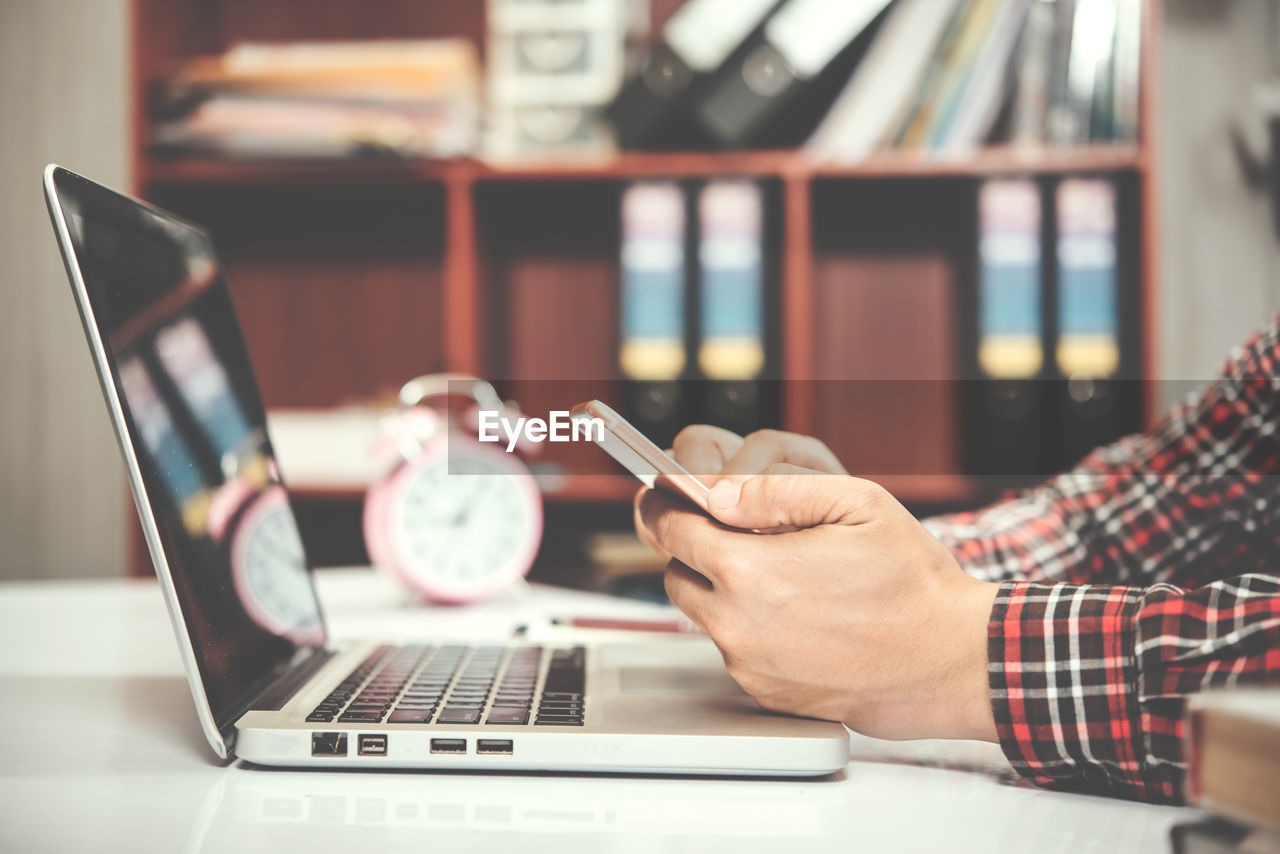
[(63, 71), (63, 94), (1219, 273)]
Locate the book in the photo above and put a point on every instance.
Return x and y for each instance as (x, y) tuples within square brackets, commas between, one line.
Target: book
[(1235, 754), (781, 67), (880, 89), (732, 338), (242, 125), (1219, 836), (376, 69), (968, 120), (948, 75), (1007, 432), (844, 79), (920, 101), (322, 100), (1058, 120), (1081, 114), (1126, 67), (652, 347), (1034, 68), (1102, 97)]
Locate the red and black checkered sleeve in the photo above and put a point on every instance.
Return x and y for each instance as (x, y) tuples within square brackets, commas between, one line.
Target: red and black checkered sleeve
[(1194, 500), (1089, 682)]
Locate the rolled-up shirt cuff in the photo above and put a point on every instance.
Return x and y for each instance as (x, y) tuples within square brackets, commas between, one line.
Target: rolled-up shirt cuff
[(1063, 679)]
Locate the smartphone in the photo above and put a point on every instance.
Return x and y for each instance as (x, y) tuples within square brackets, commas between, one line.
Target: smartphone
[(639, 455)]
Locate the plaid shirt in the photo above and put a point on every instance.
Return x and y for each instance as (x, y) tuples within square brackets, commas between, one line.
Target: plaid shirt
[(1148, 573)]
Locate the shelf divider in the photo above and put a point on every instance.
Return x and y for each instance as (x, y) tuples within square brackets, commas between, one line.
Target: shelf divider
[(462, 293), (797, 305)]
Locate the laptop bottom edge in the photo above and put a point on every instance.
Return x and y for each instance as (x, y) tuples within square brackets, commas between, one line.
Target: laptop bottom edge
[(519, 749)]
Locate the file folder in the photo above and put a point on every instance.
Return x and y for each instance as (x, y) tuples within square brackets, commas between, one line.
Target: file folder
[(651, 109), (652, 351), (732, 344), (1010, 404), (1088, 352), (779, 68)]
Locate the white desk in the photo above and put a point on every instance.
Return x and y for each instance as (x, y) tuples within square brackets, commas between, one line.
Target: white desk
[(100, 750)]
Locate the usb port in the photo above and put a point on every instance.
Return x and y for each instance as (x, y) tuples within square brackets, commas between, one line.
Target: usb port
[(328, 744), (372, 745), (448, 745), (493, 745)]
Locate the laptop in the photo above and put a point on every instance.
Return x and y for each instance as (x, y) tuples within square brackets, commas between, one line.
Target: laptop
[(268, 685)]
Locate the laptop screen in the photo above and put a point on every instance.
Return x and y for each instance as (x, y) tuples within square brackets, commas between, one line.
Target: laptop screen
[(196, 423)]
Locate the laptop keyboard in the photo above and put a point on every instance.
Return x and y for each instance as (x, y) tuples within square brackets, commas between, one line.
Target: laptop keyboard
[(420, 684)]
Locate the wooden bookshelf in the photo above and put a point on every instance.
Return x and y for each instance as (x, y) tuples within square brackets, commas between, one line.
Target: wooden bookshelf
[(413, 260), (624, 166), (452, 236)]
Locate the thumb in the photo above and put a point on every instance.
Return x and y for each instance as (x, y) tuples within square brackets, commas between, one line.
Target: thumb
[(784, 496)]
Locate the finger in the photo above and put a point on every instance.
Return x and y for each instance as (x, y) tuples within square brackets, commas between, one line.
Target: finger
[(643, 532), (766, 447), (691, 536), (703, 450), (785, 495), (689, 591)]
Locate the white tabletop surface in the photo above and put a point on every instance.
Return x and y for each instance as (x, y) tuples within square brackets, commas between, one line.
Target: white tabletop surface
[(100, 750)]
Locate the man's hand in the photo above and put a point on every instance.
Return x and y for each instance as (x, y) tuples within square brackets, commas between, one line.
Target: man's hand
[(861, 616), (713, 454)]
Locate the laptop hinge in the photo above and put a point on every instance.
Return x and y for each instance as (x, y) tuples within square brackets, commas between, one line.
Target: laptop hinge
[(275, 695)]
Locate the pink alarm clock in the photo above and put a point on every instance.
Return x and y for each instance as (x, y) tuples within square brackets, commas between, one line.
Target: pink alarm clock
[(454, 520), (250, 516)]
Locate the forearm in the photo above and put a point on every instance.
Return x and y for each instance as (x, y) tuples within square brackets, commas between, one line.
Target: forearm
[(1042, 534), (1089, 683), (1190, 502)]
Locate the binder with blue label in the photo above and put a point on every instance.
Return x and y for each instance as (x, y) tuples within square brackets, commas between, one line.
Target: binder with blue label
[(1008, 424), (652, 352), (1088, 354), (732, 346)]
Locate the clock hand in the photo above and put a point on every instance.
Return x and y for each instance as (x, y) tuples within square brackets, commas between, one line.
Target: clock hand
[(469, 506), (280, 554), (464, 513)]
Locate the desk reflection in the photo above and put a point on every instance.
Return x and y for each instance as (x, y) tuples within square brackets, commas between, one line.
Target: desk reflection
[(871, 806), (390, 811)]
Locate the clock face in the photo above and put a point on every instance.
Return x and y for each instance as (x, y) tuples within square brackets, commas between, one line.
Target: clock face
[(269, 569), (464, 524)]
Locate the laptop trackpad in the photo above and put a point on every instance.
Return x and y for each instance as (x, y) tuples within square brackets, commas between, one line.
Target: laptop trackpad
[(683, 681)]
